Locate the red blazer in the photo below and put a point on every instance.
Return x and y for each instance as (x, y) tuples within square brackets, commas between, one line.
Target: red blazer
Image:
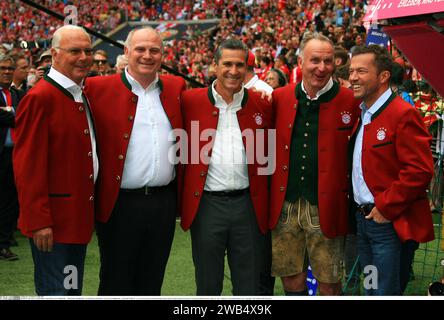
[(114, 108), (256, 113), (53, 164), (336, 120), (397, 165)]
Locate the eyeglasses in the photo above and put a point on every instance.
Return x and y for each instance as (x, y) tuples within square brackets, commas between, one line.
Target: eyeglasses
[(100, 61), (78, 51), (3, 68)]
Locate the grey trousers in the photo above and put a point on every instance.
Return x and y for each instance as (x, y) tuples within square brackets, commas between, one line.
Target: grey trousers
[(227, 225)]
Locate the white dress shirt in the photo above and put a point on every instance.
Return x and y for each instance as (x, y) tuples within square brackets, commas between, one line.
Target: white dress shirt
[(76, 92), (259, 85), (361, 192), (228, 168), (327, 87), (146, 162)]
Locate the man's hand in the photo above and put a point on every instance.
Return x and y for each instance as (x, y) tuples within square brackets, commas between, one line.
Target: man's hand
[(43, 239), (264, 95), (7, 109), (377, 216)]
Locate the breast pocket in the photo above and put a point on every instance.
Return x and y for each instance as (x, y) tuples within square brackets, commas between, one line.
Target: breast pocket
[(384, 144)]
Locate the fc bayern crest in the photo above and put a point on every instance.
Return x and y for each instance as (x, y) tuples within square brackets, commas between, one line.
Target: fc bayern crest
[(258, 118), (381, 134), (346, 117)]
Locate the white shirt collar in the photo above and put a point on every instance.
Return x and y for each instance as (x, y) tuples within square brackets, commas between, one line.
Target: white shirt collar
[(135, 85), (64, 81), (219, 101), (378, 103), (327, 87)]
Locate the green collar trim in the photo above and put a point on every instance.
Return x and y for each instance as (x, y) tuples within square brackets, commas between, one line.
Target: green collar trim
[(385, 105), (58, 86), (213, 101), (325, 97), (128, 85)]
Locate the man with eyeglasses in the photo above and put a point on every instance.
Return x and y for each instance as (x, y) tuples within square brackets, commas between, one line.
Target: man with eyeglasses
[(136, 112), (9, 99), (100, 63), (56, 166)]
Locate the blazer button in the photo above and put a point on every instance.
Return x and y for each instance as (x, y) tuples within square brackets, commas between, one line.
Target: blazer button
[(282, 188), (120, 157), (289, 126), (286, 147), (284, 168), (130, 118), (91, 177), (134, 99), (90, 154), (81, 109), (214, 113), (196, 194), (117, 178), (295, 106), (91, 198), (126, 136), (86, 132), (203, 173)]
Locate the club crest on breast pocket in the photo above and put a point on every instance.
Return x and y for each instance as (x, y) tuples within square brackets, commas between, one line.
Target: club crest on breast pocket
[(381, 134), (258, 118), (346, 117)]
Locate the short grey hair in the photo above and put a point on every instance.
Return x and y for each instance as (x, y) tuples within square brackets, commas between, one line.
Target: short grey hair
[(230, 44), (7, 57), (313, 36), (121, 58), (57, 36), (132, 32)]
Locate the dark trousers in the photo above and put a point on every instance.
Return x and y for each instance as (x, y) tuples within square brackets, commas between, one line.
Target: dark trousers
[(407, 255), (8, 199), (227, 224), (266, 280), (135, 243), (59, 272)]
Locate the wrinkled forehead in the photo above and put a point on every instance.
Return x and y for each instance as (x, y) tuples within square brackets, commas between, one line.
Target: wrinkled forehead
[(146, 38)]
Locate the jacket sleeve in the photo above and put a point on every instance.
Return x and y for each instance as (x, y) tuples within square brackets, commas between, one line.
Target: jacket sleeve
[(30, 160), (416, 167)]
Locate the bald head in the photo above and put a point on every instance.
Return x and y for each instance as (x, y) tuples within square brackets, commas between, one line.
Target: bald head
[(141, 32)]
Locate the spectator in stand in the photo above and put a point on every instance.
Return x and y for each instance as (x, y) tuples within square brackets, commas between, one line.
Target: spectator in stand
[(100, 63), (21, 73), (121, 63), (276, 78), (252, 81)]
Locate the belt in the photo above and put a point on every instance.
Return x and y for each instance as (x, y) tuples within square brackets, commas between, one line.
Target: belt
[(365, 209), (147, 190), (231, 193)]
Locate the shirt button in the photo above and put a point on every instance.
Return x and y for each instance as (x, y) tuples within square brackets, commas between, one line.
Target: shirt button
[(282, 188), (117, 178), (126, 136), (134, 99), (305, 145), (303, 156), (130, 118), (303, 168), (308, 103), (120, 157), (86, 132), (302, 178), (196, 194), (307, 124), (81, 109), (306, 134)]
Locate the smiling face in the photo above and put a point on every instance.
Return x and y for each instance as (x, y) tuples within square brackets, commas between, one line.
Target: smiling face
[(367, 83), (317, 65), (144, 53), (230, 71), (70, 58)]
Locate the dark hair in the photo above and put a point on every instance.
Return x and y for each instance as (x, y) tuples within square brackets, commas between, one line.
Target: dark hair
[(383, 60), (341, 53), (342, 72), (230, 44), (397, 74), (282, 78)]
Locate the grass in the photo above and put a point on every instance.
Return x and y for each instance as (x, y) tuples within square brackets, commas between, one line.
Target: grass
[(17, 276)]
